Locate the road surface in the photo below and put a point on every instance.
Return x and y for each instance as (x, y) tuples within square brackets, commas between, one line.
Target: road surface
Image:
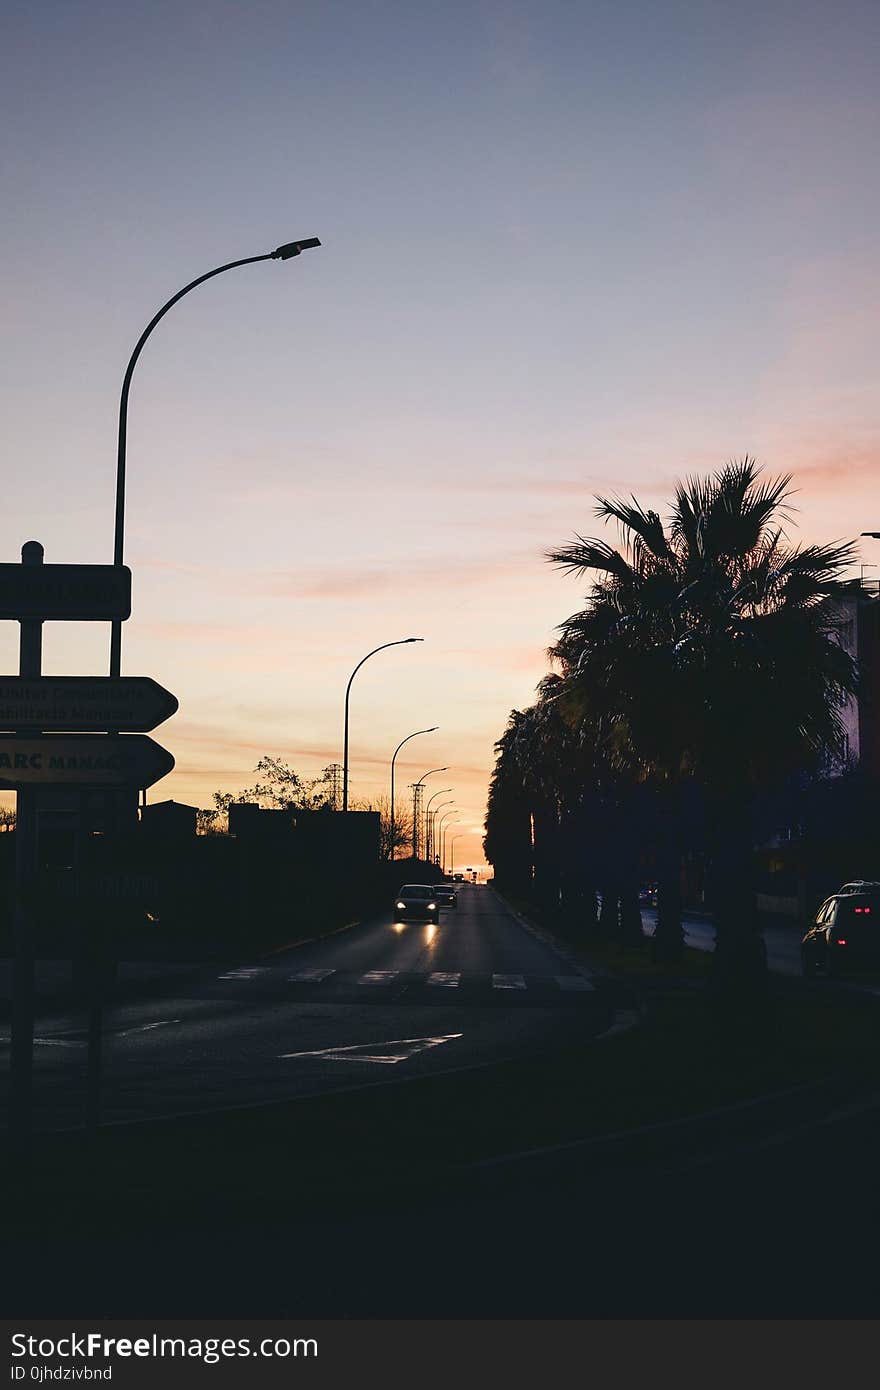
[(380, 1000)]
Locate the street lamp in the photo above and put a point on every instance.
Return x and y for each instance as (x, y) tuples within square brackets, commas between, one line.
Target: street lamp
[(401, 642), (432, 729), (281, 253), (416, 792), (430, 823), (441, 834), (427, 810), (452, 851)]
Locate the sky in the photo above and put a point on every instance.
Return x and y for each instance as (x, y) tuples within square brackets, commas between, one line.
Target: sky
[(567, 248)]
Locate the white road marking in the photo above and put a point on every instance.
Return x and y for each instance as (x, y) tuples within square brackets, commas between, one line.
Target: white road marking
[(310, 977), (449, 979), (508, 982), (378, 977), (242, 974), (570, 982), (368, 1052), (59, 1042), (146, 1027)]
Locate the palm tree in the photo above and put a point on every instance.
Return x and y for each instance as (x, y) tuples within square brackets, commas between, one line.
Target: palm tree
[(707, 652)]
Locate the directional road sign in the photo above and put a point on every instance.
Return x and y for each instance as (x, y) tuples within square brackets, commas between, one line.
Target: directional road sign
[(78, 593), (99, 760), (84, 703)]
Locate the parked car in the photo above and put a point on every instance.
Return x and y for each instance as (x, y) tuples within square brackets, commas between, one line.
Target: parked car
[(844, 935), (445, 895), (416, 902)]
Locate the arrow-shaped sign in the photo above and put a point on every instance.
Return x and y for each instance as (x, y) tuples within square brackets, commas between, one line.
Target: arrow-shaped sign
[(84, 703), (98, 760)]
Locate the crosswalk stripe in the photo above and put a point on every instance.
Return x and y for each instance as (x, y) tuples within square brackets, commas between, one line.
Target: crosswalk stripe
[(243, 974), (573, 982), (508, 982), (310, 977), (449, 979), (378, 977)]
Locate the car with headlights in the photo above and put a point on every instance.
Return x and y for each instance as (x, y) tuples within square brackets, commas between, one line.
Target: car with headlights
[(416, 902), (445, 895), (845, 934)]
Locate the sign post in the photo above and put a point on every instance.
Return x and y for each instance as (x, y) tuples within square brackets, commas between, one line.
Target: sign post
[(53, 749), (22, 1040)]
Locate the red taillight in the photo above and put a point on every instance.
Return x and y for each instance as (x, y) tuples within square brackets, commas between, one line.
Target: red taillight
[(863, 909), (840, 941)]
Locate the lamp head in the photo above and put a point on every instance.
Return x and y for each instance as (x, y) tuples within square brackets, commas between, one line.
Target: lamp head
[(293, 248)]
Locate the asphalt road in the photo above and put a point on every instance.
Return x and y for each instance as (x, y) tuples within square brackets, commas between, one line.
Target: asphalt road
[(357, 1008)]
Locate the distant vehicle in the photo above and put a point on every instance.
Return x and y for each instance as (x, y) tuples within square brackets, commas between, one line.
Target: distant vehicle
[(458, 878), (844, 935), (445, 895), (648, 895), (416, 902)]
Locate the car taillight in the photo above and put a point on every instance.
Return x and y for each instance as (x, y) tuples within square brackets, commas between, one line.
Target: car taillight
[(863, 909), (840, 941)]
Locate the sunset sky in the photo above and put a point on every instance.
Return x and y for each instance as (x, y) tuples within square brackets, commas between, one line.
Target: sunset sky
[(567, 248)]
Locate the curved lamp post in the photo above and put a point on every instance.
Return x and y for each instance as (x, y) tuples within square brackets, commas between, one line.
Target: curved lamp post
[(281, 253), (437, 793), (415, 791), (441, 834), (452, 851), (431, 827), (432, 729), (401, 642)]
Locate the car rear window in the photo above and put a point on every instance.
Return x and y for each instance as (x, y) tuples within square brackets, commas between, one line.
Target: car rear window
[(858, 909), (415, 890)]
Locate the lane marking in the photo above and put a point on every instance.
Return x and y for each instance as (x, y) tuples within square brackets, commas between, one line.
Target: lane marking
[(508, 982), (243, 974), (448, 979), (6, 1040), (404, 1048), (147, 1027), (310, 977), (378, 977), (571, 982)]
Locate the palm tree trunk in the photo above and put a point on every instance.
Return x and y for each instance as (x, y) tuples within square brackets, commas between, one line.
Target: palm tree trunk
[(739, 961), (667, 944), (631, 933)]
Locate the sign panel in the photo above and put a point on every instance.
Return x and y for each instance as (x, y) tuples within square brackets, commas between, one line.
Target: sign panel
[(84, 703), (99, 760), (77, 593)]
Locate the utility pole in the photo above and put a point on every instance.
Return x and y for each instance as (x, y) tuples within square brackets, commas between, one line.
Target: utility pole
[(418, 793)]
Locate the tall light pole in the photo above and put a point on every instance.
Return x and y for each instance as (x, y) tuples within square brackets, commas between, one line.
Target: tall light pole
[(432, 730), (430, 823), (417, 795), (441, 835), (281, 253), (452, 851), (427, 810), (401, 642)]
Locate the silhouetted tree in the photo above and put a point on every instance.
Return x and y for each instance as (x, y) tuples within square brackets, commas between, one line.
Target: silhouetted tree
[(708, 651)]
